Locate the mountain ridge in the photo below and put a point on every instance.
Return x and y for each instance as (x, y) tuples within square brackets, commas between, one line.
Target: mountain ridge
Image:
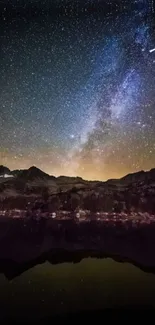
[(34, 171)]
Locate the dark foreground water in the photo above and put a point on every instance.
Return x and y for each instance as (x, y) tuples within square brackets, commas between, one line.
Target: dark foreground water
[(48, 289)]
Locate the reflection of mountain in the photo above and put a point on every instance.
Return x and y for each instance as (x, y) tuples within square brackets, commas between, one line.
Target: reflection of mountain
[(13, 269), (24, 245), (32, 188)]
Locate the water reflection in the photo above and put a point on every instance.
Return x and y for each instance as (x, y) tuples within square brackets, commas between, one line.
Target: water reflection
[(93, 283)]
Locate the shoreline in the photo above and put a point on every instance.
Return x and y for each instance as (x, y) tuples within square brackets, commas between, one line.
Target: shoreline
[(23, 245)]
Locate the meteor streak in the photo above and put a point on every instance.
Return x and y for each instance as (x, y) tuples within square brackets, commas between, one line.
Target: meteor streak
[(152, 50)]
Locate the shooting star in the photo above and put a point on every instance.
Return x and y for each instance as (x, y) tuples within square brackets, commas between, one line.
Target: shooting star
[(152, 50)]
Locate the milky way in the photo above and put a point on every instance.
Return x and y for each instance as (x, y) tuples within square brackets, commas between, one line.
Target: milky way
[(77, 91)]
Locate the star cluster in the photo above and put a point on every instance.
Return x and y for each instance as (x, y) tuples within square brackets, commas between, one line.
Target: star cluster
[(77, 92)]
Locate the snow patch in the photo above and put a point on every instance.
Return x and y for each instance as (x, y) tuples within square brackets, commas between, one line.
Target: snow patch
[(6, 176)]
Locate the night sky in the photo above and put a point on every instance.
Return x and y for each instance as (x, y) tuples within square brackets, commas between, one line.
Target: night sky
[(77, 86)]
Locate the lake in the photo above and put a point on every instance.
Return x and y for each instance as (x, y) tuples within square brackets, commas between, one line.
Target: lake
[(48, 289)]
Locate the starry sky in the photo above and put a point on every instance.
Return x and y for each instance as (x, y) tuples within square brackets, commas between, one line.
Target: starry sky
[(77, 86)]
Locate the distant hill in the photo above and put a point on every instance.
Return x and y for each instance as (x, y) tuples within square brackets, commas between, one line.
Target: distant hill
[(139, 176), (134, 177), (32, 173)]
